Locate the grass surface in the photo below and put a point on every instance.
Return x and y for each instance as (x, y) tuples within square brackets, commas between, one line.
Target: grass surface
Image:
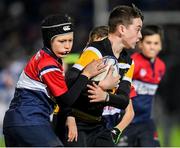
[(174, 140), (2, 142)]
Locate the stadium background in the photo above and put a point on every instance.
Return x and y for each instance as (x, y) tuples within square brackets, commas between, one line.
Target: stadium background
[(20, 37)]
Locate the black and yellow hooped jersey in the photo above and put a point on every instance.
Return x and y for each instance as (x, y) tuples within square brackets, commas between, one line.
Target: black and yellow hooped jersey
[(100, 49), (95, 51)]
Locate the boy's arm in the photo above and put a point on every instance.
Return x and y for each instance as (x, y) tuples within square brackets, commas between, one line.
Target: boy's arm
[(72, 129), (79, 81), (121, 98), (126, 120), (123, 89)]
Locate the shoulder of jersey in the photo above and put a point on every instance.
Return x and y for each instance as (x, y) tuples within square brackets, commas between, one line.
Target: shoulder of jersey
[(160, 62), (98, 45), (46, 59), (135, 55)]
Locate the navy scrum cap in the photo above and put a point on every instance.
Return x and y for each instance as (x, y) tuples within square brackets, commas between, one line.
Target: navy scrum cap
[(54, 25)]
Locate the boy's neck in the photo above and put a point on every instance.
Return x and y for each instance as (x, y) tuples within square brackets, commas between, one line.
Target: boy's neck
[(116, 44)]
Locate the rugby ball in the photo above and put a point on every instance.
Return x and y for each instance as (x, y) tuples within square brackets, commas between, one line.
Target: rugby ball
[(109, 60)]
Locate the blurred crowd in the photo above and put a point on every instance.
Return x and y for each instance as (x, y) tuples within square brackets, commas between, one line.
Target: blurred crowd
[(20, 38)]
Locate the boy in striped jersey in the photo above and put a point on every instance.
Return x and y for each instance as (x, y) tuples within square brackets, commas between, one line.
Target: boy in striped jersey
[(116, 120), (41, 85), (124, 32)]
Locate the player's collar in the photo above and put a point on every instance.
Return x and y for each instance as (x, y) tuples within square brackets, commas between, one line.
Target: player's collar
[(109, 51), (149, 59), (108, 47), (48, 51)]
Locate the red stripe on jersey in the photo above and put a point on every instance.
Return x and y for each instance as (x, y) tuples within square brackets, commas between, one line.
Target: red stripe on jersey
[(132, 92)]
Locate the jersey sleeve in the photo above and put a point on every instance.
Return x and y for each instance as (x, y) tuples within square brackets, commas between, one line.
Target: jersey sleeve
[(55, 82), (87, 56), (52, 75)]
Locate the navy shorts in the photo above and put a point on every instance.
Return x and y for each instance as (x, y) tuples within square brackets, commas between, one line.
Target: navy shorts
[(26, 136)]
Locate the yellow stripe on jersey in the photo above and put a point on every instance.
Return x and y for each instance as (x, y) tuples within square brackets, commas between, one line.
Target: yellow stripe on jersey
[(87, 56), (129, 74), (56, 110)]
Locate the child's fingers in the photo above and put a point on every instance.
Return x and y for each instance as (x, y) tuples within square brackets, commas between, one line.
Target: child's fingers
[(92, 97), (95, 85), (91, 87), (92, 92), (93, 100)]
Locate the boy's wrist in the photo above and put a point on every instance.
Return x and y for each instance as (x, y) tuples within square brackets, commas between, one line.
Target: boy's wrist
[(85, 73), (116, 133)]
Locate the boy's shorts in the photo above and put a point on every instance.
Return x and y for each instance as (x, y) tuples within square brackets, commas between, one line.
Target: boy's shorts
[(36, 136)]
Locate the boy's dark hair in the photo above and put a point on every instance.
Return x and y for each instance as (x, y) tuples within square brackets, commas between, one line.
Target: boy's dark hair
[(123, 15), (151, 30), (54, 25), (100, 31)]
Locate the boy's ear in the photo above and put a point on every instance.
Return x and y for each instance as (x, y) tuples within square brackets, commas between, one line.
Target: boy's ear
[(121, 29)]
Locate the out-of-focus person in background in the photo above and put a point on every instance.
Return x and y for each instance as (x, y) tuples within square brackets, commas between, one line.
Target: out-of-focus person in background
[(41, 86), (8, 79), (148, 72), (97, 34)]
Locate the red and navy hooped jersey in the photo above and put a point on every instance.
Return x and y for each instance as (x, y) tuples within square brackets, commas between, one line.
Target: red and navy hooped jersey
[(146, 77), (41, 80), (44, 73)]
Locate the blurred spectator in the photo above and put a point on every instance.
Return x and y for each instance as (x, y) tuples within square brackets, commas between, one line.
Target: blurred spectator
[(8, 80)]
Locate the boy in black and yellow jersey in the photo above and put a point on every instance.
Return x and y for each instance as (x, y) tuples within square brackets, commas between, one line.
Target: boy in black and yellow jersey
[(124, 31), (116, 119)]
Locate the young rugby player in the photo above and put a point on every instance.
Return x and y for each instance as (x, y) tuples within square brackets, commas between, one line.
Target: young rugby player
[(125, 24), (42, 85)]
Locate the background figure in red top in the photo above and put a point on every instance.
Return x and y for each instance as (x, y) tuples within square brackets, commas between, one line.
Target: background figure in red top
[(149, 70)]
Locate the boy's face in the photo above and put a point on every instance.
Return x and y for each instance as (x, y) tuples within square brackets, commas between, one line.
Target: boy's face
[(150, 45), (61, 45), (132, 33)]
